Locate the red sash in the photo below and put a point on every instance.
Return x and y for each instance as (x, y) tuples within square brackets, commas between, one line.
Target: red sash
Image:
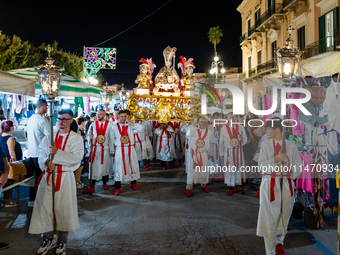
[(124, 131), (100, 131), (277, 149), (58, 142), (161, 137), (199, 160), (141, 146), (239, 148), (176, 126), (113, 119)]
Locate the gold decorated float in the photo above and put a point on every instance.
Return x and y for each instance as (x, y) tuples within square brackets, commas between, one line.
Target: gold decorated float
[(168, 98)]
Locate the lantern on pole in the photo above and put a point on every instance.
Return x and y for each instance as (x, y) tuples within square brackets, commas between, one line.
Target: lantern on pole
[(106, 96), (49, 77), (123, 94), (288, 58)]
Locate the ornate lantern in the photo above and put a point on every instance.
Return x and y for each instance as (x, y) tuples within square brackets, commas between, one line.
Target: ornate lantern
[(106, 95), (123, 94), (287, 60), (49, 77)]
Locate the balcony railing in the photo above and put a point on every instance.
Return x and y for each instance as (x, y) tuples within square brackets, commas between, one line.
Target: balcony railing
[(271, 64), (242, 38), (326, 44), (287, 2), (275, 9)]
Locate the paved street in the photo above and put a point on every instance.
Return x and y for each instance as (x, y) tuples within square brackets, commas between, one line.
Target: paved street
[(160, 219)]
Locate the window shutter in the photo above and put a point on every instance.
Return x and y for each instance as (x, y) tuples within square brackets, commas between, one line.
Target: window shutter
[(322, 32)]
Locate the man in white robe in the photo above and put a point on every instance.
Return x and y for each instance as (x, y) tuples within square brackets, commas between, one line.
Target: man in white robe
[(67, 152), (148, 137), (184, 130), (200, 152), (232, 138), (140, 144), (178, 141), (165, 145), (126, 163), (276, 204), (215, 160), (102, 146)]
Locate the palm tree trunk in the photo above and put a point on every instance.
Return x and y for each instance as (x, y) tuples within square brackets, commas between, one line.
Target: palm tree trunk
[(215, 48)]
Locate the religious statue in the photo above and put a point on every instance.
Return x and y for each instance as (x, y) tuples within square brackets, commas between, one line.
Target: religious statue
[(144, 78), (167, 79), (187, 67)]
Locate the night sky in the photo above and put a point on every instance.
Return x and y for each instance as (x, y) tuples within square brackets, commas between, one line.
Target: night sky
[(181, 24)]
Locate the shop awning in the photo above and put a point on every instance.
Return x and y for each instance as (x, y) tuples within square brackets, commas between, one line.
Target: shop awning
[(322, 65), (69, 86), (10, 83)]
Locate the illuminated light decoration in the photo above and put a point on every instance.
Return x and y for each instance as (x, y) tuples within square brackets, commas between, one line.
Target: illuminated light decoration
[(288, 58), (96, 59)]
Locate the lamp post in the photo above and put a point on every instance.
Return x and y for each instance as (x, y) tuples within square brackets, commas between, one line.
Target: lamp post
[(123, 94), (49, 77), (106, 96), (215, 65)]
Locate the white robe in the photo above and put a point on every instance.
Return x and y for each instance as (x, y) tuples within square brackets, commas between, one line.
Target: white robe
[(131, 171), (148, 134), (184, 130), (270, 223), (232, 177), (140, 145), (215, 150), (196, 174), (98, 169), (178, 142), (167, 145), (66, 208)]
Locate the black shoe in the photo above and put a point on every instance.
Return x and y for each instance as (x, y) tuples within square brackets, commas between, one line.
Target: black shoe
[(46, 246), (4, 246)]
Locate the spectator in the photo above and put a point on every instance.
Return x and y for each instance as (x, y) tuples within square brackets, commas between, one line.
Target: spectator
[(3, 182), (93, 117), (37, 128), (12, 150)]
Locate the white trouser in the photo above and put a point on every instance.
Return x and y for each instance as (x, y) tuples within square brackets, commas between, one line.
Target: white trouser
[(270, 243)]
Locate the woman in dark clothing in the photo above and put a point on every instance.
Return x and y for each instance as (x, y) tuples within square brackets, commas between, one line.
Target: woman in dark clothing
[(12, 150)]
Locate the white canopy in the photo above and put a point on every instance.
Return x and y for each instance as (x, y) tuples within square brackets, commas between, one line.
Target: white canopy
[(11, 83)]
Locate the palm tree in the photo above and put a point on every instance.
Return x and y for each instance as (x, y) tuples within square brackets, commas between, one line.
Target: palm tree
[(214, 35)]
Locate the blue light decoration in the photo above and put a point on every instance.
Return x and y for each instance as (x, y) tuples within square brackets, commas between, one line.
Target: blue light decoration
[(98, 58)]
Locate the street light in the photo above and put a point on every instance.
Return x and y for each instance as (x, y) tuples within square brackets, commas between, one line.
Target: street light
[(214, 66), (123, 94), (287, 60), (106, 95), (49, 77)]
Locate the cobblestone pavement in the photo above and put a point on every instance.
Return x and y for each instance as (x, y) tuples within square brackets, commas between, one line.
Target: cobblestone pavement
[(160, 219)]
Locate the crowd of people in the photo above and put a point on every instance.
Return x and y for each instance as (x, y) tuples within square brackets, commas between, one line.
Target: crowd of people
[(105, 145)]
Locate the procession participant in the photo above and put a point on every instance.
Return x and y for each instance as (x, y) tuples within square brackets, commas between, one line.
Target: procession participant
[(200, 152), (102, 146), (179, 149), (215, 159), (155, 125), (187, 157), (149, 149), (140, 145), (126, 168), (165, 145), (276, 198), (114, 118), (232, 138), (68, 152), (93, 118)]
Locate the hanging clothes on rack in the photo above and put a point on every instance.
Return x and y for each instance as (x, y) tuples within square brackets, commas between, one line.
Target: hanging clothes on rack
[(318, 188), (305, 179), (299, 129)]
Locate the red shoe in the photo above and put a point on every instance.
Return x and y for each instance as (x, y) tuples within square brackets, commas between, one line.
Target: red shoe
[(188, 193), (205, 189), (258, 194), (236, 189), (114, 184), (105, 187), (230, 192), (221, 177), (116, 193), (148, 164), (146, 167), (88, 190), (134, 186), (153, 160), (212, 180), (163, 167), (170, 166), (279, 249)]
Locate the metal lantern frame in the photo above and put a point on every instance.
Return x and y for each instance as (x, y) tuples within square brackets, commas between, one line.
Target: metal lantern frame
[(288, 58), (49, 77), (106, 96)]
